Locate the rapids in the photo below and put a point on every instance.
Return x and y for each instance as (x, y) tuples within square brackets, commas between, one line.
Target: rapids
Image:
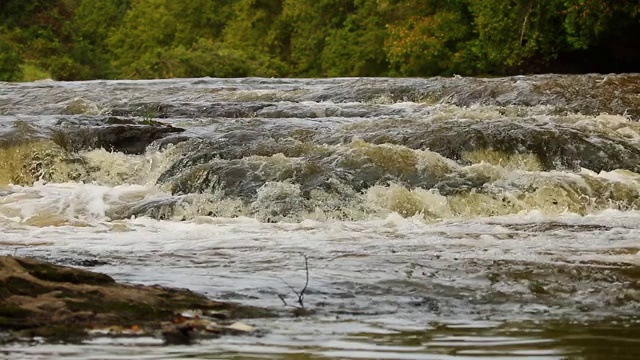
[(441, 217)]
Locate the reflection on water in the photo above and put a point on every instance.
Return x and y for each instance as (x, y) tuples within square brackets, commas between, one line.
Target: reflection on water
[(607, 339), (544, 340)]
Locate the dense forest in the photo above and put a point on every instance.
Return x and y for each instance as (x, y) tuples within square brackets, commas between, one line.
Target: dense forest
[(134, 39)]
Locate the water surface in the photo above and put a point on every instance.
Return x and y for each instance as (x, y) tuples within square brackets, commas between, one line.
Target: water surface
[(441, 217)]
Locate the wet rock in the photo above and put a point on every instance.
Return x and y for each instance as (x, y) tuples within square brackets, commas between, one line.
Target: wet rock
[(165, 142), (163, 208), (586, 94), (128, 139), (190, 110), (234, 178), (64, 303), (555, 226), (557, 146), (97, 120)]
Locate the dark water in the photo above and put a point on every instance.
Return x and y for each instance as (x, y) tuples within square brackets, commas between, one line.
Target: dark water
[(443, 217)]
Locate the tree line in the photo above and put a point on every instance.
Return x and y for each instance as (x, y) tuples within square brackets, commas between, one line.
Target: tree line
[(135, 39)]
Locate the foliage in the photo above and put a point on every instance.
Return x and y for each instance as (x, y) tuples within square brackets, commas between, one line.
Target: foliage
[(430, 44), (259, 30), (93, 23), (10, 61), (85, 39), (357, 47), (589, 21)]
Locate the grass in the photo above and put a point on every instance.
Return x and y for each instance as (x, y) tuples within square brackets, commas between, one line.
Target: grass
[(31, 72)]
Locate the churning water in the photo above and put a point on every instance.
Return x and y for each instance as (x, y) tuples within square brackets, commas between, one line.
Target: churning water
[(441, 217)]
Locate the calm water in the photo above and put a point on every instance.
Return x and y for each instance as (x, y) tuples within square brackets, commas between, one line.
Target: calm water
[(442, 218)]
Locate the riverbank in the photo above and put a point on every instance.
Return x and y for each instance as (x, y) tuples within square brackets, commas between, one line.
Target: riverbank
[(60, 303)]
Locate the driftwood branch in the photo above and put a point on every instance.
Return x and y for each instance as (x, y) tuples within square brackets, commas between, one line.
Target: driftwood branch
[(300, 294)]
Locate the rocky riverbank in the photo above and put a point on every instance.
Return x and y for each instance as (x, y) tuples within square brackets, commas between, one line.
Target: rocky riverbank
[(60, 303)]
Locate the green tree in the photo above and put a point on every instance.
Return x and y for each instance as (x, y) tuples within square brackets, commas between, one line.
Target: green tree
[(200, 19), (20, 13), (10, 61), (432, 38), (511, 32), (93, 23), (148, 29), (164, 38), (588, 22), (83, 39), (259, 30), (357, 47), (312, 22)]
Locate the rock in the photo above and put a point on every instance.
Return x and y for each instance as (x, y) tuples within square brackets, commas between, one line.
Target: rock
[(241, 327), (128, 139), (557, 146), (69, 304)]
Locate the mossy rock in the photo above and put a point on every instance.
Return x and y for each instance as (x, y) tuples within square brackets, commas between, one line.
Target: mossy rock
[(59, 303), (53, 273)]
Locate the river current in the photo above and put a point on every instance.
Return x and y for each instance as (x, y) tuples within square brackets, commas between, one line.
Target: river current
[(442, 218)]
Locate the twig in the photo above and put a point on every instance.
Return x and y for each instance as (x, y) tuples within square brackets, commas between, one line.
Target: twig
[(306, 283), (300, 294), (283, 300)]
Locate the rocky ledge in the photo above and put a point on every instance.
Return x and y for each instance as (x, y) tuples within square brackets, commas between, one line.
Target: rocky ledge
[(60, 303)]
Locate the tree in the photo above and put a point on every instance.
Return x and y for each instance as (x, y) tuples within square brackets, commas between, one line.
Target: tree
[(432, 38), (93, 23), (148, 29), (260, 31), (357, 47), (10, 61), (312, 22)]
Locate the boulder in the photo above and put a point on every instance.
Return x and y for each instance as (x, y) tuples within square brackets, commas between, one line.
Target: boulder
[(128, 139)]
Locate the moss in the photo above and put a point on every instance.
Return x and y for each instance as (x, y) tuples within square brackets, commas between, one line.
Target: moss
[(14, 312), (4, 293), (19, 286), (65, 333), (14, 317), (233, 311), (9, 323), (186, 300), (249, 312), (61, 292), (121, 311), (112, 120), (54, 273)]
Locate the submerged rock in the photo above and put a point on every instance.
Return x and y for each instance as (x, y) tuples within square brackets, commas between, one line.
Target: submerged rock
[(64, 303)]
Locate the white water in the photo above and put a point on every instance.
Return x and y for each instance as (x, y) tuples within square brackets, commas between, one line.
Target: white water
[(375, 277)]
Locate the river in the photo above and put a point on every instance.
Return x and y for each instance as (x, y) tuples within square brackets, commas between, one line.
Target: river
[(441, 218)]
